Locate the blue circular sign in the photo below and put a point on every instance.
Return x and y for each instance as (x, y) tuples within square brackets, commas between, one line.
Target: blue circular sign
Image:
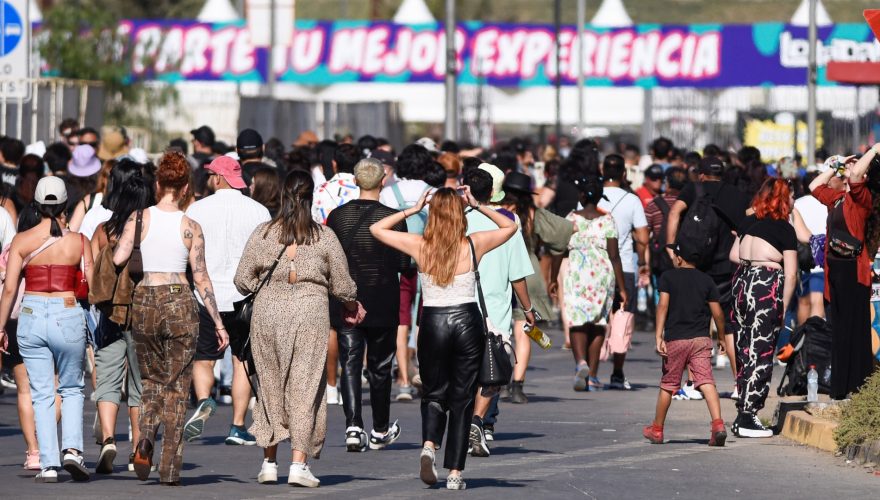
[(11, 29)]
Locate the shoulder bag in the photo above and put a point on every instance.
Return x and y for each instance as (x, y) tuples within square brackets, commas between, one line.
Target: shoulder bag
[(495, 367), (239, 322), (81, 288)]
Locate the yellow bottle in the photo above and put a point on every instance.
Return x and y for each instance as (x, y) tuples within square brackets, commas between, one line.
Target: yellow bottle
[(538, 336)]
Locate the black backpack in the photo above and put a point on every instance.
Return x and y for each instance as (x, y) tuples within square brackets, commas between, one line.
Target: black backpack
[(660, 261), (811, 344), (701, 228)]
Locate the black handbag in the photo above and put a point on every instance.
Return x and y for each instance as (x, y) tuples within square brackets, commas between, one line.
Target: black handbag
[(496, 369), (239, 322)]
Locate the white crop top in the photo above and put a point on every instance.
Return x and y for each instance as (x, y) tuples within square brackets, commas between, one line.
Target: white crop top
[(461, 291), (163, 249)]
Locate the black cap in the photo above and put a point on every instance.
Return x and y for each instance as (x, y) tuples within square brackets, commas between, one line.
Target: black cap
[(384, 156), (518, 182), (249, 139), (203, 134), (688, 251), (654, 172), (711, 165)]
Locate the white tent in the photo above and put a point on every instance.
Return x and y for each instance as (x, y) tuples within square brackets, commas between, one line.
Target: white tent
[(801, 16), (218, 11), (611, 14), (34, 11), (413, 12)]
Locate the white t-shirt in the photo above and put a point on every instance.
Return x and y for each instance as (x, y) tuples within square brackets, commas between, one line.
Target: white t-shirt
[(94, 217), (411, 190), (626, 208), (815, 216), (7, 228), (227, 218)]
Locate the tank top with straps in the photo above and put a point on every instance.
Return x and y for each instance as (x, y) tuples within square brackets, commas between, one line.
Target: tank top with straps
[(460, 291), (163, 249)]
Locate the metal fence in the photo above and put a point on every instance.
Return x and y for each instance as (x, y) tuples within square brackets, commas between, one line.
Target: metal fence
[(51, 100), (286, 119)]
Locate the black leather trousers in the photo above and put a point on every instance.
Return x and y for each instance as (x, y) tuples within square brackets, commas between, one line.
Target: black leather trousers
[(451, 343), (381, 344)]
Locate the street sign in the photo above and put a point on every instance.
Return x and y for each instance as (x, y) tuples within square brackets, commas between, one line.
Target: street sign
[(15, 50)]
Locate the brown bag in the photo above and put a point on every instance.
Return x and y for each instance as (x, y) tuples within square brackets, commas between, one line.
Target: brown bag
[(112, 287)]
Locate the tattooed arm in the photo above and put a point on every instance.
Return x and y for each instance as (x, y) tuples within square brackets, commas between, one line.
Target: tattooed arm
[(195, 240), (126, 241)]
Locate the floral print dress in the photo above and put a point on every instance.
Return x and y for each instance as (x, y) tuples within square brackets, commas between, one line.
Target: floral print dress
[(589, 282)]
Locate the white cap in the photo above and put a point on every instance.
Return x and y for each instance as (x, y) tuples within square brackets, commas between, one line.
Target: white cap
[(497, 181), (50, 186), (428, 143), (138, 155), (38, 148)]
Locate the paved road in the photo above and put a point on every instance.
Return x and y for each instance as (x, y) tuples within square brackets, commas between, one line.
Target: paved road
[(561, 445)]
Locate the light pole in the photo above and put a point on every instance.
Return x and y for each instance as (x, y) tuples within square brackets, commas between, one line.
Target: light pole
[(581, 18), (811, 89), (451, 125)]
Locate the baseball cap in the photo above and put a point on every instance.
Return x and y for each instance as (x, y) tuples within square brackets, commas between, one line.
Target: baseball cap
[(385, 157), (229, 169), (687, 251), (203, 134), (50, 191), (114, 143), (249, 139), (711, 165), (428, 143), (654, 172), (497, 181)]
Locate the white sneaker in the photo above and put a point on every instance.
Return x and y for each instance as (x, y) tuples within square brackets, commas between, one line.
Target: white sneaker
[(692, 392), (721, 361), (455, 483), (301, 475), (268, 472), (333, 396), (735, 394), (49, 475), (427, 471)]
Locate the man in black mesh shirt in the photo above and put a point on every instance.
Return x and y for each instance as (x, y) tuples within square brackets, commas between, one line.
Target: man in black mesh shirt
[(374, 267)]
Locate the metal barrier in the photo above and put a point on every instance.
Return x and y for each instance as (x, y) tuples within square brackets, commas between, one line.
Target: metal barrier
[(51, 100)]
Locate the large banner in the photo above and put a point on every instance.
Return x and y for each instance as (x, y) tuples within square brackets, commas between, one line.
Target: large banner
[(511, 55)]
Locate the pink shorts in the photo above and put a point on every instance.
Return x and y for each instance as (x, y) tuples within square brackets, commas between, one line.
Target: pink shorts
[(695, 354)]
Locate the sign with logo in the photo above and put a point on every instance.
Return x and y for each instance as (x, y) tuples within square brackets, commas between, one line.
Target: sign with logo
[(15, 49)]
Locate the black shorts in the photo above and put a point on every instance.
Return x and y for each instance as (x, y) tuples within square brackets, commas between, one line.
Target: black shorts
[(629, 280), (206, 346), (725, 290), (13, 358)]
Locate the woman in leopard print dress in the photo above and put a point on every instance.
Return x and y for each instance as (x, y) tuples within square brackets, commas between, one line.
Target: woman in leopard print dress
[(289, 327)]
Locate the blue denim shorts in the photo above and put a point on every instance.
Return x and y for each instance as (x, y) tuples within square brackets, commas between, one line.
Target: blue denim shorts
[(812, 283)]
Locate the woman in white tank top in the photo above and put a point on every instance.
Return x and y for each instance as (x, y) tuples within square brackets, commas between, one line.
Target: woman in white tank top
[(164, 314), (450, 344)]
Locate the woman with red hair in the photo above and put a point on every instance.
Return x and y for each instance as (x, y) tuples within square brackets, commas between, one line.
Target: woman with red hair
[(763, 284)]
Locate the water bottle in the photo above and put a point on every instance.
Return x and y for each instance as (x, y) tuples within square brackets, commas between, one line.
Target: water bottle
[(642, 303), (538, 336), (812, 385)]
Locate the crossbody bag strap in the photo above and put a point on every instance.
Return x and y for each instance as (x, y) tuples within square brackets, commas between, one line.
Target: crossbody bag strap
[(271, 270), (479, 286), (136, 259), (398, 195), (46, 244), (357, 225)]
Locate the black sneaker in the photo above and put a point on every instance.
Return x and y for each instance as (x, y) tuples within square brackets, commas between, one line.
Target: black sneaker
[(478, 445), (105, 458), (355, 439), (748, 425), (379, 441)]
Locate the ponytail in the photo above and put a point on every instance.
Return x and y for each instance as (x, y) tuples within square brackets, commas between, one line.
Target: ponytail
[(52, 212)]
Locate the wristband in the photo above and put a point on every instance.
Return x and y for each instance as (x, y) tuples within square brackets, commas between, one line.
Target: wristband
[(531, 309)]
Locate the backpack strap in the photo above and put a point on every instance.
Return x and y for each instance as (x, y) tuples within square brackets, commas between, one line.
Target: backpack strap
[(662, 205), (398, 195)]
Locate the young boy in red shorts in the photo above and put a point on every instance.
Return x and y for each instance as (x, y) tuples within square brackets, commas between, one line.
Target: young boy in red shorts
[(687, 299)]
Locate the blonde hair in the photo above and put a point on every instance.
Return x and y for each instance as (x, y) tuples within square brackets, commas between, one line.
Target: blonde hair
[(444, 232), (369, 173)]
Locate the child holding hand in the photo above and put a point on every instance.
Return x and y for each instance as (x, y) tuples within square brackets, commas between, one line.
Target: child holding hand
[(687, 299)]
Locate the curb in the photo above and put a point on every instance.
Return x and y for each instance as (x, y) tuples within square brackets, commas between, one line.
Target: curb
[(864, 453), (812, 431)]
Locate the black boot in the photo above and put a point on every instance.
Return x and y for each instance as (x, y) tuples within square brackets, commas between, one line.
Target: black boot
[(517, 395)]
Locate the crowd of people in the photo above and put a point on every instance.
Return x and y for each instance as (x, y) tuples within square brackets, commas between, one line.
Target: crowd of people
[(352, 264)]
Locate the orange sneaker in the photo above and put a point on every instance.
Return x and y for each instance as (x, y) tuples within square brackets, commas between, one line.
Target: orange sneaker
[(719, 433), (653, 433)]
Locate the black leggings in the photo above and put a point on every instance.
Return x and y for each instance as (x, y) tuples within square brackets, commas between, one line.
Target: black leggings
[(851, 360), (450, 348), (381, 344)]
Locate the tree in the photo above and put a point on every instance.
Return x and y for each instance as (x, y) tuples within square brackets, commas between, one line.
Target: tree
[(81, 40)]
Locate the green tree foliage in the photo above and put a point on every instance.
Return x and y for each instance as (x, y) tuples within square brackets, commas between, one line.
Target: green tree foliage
[(81, 40)]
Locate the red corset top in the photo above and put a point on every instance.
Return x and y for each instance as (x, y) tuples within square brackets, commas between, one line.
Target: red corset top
[(49, 278)]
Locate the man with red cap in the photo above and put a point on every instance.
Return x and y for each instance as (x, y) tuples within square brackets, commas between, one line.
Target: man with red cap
[(228, 218)]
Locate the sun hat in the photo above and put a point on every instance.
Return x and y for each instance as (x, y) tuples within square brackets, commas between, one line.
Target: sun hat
[(497, 181), (84, 162)]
